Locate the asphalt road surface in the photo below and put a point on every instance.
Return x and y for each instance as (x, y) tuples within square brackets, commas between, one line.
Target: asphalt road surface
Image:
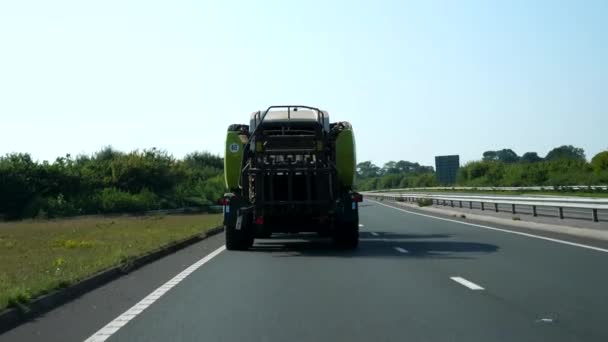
[(413, 278)]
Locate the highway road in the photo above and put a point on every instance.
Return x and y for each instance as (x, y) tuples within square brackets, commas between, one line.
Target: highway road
[(413, 278)]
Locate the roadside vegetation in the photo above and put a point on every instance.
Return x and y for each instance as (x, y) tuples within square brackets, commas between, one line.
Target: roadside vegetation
[(562, 166), (108, 181), (39, 256), (400, 174)]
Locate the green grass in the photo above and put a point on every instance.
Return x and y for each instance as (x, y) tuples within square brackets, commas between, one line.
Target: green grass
[(38, 256)]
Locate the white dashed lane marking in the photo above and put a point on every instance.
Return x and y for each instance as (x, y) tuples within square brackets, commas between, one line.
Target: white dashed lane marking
[(401, 250), (466, 283)]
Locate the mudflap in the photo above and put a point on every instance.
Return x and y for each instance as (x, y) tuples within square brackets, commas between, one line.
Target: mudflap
[(238, 223), (346, 224)]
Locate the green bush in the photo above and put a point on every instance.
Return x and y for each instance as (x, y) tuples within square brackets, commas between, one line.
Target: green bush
[(59, 206), (107, 181), (112, 200)]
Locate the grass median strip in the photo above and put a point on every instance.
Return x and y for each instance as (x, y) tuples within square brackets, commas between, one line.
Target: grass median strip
[(38, 256)]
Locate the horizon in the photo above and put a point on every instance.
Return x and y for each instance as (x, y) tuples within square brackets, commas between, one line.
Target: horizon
[(416, 79)]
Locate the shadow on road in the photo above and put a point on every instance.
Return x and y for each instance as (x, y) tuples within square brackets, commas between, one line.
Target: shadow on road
[(370, 246), (397, 236)]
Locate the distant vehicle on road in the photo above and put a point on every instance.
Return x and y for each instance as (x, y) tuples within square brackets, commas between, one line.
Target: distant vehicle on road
[(290, 170)]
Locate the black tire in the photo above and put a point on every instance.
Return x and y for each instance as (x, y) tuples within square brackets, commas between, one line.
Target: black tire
[(347, 236), (239, 240), (324, 233), (265, 234)]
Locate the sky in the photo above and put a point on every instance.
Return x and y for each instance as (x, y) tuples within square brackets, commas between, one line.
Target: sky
[(415, 78)]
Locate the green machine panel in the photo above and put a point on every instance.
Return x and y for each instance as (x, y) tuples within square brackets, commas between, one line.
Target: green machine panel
[(346, 158), (235, 142)]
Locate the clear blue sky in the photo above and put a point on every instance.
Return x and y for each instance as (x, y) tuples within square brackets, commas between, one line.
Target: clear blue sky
[(416, 79)]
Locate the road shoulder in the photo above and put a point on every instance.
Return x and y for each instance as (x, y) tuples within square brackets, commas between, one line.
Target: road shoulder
[(94, 309), (591, 237)]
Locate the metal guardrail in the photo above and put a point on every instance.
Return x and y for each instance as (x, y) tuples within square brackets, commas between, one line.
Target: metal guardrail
[(505, 188), (476, 197), (593, 205)]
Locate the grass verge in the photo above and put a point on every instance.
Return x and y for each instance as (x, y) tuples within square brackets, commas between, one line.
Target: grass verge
[(40, 256)]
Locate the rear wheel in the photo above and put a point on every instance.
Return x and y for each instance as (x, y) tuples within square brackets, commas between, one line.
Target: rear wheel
[(240, 239), (347, 235), (324, 230), (264, 234)]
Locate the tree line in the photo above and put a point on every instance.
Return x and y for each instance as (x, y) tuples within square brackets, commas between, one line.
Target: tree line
[(563, 165), (111, 181), (108, 181), (394, 174)]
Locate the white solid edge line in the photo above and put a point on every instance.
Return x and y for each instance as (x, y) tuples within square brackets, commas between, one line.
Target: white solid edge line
[(360, 225), (501, 230), (120, 321), (399, 249), (374, 233), (466, 283)]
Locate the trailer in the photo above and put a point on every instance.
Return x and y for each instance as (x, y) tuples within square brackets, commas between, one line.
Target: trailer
[(290, 171)]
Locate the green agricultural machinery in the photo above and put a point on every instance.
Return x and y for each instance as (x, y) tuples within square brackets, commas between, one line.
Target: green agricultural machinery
[(290, 171)]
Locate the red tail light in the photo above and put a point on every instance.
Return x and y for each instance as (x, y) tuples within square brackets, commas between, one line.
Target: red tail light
[(357, 197), (223, 201), (259, 220)]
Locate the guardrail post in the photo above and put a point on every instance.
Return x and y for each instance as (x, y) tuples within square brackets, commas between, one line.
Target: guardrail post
[(444, 203), (513, 208), (496, 207), (460, 204), (482, 208), (452, 204), (594, 216), (470, 204), (561, 213), (534, 211)]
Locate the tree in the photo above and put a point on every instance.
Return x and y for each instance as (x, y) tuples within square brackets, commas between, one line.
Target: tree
[(390, 168), (600, 162), (107, 181), (18, 183), (490, 155), (204, 159), (507, 155), (566, 152), (367, 169), (531, 157), (106, 154)]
